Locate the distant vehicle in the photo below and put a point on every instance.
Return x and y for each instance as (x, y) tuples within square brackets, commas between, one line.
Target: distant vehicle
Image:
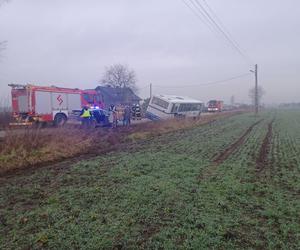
[(170, 106), (33, 104), (215, 106)]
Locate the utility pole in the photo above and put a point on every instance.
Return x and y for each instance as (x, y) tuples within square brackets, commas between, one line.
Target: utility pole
[(150, 90), (256, 90), (232, 100)]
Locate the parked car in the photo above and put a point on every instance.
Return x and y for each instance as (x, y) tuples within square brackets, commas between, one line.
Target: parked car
[(99, 117)]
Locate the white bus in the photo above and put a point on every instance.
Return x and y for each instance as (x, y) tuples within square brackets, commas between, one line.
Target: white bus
[(163, 107)]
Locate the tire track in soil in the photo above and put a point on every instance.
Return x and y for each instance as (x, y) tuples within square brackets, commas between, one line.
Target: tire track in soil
[(223, 156), (219, 159), (265, 149)]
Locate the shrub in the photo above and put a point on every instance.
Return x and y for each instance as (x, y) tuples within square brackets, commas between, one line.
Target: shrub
[(27, 147)]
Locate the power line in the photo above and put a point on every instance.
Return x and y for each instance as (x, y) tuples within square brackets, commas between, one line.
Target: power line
[(208, 83), (220, 22), (223, 33), (205, 18), (200, 17), (209, 21), (223, 29)]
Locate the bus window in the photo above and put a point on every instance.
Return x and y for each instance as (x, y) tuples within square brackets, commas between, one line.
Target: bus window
[(175, 108), (196, 107), (182, 108), (185, 107)]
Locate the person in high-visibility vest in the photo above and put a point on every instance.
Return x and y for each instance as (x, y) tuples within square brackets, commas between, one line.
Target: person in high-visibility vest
[(85, 116)]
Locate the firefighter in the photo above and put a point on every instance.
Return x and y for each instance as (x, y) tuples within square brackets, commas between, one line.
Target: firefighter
[(136, 112), (85, 116)]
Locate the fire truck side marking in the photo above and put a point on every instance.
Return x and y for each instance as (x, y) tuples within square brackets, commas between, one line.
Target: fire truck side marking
[(60, 100)]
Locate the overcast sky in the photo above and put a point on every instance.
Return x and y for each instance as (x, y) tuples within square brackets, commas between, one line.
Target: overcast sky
[(68, 43)]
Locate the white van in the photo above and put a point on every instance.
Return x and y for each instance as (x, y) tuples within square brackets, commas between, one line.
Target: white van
[(163, 107)]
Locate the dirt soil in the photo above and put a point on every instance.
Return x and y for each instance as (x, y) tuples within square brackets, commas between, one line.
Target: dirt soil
[(228, 151), (262, 160)]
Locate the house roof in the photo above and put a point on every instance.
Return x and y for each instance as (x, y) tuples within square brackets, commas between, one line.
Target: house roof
[(118, 93)]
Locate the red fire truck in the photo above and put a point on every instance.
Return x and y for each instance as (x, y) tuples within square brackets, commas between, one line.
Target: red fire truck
[(215, 106), (31, 103)]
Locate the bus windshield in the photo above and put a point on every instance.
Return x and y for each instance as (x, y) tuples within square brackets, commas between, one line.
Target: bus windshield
[(159, 102)]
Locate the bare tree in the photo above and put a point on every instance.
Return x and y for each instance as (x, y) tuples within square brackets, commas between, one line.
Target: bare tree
[(119, 75), (260, 93), (3, 2), (3, 43)]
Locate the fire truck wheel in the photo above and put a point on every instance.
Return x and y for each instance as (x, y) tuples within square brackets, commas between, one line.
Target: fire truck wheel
[(40, 124), (60, 120)]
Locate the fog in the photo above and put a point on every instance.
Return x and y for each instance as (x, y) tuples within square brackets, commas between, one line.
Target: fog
[(69, 43)]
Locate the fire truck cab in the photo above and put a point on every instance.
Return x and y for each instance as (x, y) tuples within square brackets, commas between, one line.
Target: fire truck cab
[(215, 106), (32, 104)]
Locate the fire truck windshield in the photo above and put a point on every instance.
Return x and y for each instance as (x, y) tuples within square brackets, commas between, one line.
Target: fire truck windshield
[(88, 98), (212, 102)]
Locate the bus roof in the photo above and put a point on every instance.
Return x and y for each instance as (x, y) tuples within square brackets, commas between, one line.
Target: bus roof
[(177, 99)]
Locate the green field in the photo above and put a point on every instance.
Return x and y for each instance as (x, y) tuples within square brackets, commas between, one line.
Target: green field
[(230, 184)]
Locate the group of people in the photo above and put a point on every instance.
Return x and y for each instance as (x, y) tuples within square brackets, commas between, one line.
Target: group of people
[(115, 115), (122, 113)]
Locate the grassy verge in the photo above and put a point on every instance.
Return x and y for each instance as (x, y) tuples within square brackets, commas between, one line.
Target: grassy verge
[(31, 147)]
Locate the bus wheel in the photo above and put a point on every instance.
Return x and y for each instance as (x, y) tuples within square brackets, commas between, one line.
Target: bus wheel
[(60, 120)]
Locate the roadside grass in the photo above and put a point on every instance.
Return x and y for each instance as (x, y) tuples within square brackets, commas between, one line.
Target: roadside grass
[(150, 197), (29, 147), (5, 117), (22, 148)]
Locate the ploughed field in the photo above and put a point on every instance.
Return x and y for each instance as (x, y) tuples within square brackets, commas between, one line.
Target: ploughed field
[(232, 183)]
